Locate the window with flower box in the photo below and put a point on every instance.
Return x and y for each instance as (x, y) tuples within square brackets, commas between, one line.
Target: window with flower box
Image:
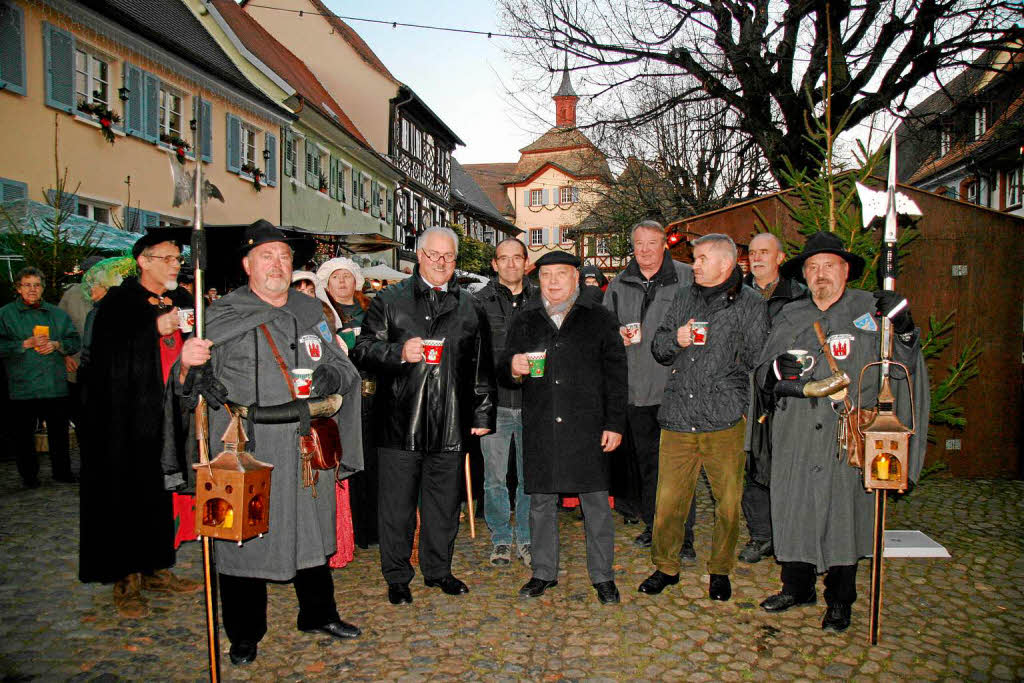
[(92, 78), (170, 113)]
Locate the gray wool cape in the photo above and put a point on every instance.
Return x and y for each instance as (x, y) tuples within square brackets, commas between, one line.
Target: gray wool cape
[(821, 513), (302, 529)]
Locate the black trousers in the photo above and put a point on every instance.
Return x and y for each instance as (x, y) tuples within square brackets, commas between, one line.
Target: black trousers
[(243, 603), (757, 508), (798, 578), (23, 424), (433, 481)]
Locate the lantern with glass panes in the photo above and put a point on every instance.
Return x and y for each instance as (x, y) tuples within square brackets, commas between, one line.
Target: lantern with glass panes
[(233, 490), (886, 438)]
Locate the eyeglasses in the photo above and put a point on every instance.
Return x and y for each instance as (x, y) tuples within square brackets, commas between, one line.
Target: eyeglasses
[(168, 260), (503, 260), (434, 256)]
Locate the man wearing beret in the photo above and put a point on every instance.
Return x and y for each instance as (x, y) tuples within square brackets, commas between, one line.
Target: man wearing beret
[(127, 520), (573, 416), (822, 518)]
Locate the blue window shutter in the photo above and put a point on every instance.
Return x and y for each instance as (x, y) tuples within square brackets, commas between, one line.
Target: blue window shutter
[(545, 198), (332, 177), (575, 194), (342, 183), (69, 201), (202, 111), (133, 107), (355, 189), (12, 190), (288, 152), (271, 142), (150, 219), (234, 144), (311, 176), (546, 232), (12, 48), (374, 199), (59, 67), (150, 107), (526, 197), (390, 198)]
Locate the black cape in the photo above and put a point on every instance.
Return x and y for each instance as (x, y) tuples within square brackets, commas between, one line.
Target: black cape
[(127, 522)]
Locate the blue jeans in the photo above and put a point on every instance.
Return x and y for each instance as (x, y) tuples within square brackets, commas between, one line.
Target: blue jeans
[(496, 505)]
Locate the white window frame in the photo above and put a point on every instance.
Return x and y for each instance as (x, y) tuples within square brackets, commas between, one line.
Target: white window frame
[(87, 208), (980, 121), (971, 196), (345, 181), (248, 145), (167, 96), (565, 195), (945, 141), (536, 197), (91, 57), (536, 237), (602, 247), (562, 239), (1014, 177)]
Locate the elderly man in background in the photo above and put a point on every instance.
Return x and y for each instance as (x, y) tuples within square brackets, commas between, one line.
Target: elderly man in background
[(640, 295), (36, 339), (435, 403), (573, 416), (711, 337), (822, 516), (135, 339), (766, 255), (503, 298)]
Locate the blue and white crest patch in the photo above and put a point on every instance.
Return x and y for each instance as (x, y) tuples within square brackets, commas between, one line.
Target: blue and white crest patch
[(866, 322), (324, 331)]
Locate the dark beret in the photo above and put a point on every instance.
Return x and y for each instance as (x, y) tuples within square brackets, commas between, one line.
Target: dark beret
[(554, 258)]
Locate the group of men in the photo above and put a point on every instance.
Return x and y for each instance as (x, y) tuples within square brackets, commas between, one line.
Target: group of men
[(666, 360)]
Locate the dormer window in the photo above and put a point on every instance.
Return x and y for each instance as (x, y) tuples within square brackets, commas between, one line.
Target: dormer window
[(945, 141), (980, 121)]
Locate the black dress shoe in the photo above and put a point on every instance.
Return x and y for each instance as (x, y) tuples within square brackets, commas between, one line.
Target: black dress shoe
[(755, 551), (607, 593), (780, 602), (534, 588), (687, 555), (65, 478), (399, 593), (31, 483), (657, 582), (338, 629), (837, 618), (719, 587), (644, 539), (449, 584), (242, 652)]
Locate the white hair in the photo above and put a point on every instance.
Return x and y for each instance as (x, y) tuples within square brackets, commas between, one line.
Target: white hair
[(447, 232), (719, 241)]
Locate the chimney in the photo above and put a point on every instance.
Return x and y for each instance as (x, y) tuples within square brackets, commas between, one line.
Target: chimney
[(565, 102)]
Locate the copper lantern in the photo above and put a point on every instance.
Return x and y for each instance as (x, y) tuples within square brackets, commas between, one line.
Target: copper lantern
[(233, 491), (887, 440)]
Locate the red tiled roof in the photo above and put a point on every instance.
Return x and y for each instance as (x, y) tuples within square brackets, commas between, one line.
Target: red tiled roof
[(284, 63), (352, 38), (490, 177)]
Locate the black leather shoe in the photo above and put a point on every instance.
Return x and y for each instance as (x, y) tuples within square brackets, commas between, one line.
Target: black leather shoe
[(780, 602), (687, 555), (338, 629), (644, 539), (449, 584), (755, 551), (719, 587), (607, 592), (534, 588), (657, 582), (399, 593), (837, 618), (31, 483), (242, 652), (65, 478)]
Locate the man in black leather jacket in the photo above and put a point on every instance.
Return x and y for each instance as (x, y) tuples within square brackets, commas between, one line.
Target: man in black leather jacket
[(431, 409)]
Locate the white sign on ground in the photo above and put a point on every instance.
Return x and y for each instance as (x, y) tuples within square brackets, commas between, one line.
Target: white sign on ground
[(912, 544)]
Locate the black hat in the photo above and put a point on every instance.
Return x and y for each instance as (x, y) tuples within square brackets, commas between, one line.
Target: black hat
[(553, 258), (822, 243), (154, 237), (263, 232)]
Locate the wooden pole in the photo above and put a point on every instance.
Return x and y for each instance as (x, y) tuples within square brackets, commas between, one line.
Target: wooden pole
[(469, 499), (874, 625)]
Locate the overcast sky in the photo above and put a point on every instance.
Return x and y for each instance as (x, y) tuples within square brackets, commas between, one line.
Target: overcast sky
[(459, 76)]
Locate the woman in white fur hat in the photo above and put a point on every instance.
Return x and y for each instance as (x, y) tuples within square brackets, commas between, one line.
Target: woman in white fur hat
[(342, 280)]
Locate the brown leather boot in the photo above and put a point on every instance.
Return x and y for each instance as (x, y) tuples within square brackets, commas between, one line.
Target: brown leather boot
[(128, 599), (163, 581)]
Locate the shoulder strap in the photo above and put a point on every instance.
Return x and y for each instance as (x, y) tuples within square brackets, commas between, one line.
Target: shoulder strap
[(280, 361)]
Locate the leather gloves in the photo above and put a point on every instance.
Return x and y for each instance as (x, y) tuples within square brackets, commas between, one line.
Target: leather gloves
[(200, 381), (888, 302), (326, 381), (785, 366)]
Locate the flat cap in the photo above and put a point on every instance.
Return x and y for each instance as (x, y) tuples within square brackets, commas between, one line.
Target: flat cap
[(555, 258)]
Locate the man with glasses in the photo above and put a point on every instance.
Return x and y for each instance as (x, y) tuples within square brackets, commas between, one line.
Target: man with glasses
[(429, 343), (502, 299), (127, 519), (35, 337)]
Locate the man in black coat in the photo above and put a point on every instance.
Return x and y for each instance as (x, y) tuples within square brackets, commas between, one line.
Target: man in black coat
[(127, 519), (435, 401), (766, 255), (573, 416)]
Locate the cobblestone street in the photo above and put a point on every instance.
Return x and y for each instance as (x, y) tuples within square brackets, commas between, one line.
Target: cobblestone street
[(958, 618)]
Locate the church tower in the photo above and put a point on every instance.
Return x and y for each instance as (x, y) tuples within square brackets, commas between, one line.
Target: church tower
[(565, 102)]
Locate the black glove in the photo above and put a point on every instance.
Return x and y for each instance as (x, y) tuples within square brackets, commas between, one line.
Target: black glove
[(785, 365), (200, 381), (885, 302), (326, 381)]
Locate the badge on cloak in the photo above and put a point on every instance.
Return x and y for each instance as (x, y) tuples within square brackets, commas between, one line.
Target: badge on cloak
[(866, 323), (324, 331), (840, 345), (314, 347)]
